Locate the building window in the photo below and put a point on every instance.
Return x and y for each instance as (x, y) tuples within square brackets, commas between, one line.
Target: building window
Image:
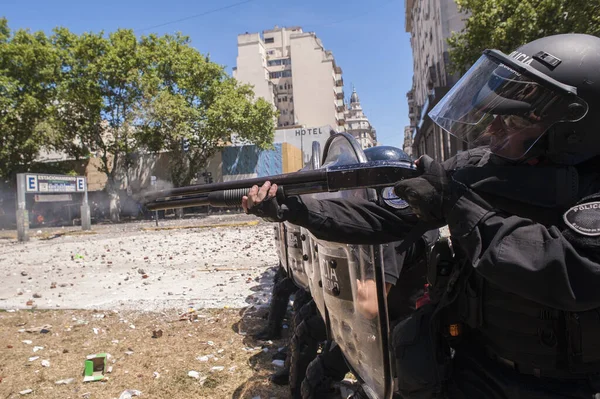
[(285, 61), (291, 99), (269, 40), (280, 74)]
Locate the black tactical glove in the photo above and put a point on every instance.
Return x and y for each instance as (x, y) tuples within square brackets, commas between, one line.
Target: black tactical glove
[(263, 203), (431, 194)]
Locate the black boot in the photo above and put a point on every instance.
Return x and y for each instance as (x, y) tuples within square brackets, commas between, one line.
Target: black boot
[(277, 309), (280, 355), (281, 377)]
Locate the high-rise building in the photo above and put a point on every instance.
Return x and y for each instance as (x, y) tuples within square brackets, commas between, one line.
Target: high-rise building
[(430, 23), (358, 123), (408, 142), (292, 70)]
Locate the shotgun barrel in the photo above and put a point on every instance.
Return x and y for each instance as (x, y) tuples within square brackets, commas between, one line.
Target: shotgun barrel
[(327, 179)]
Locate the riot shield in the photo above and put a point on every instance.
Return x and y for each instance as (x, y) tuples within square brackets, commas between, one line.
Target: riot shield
[(281, 245), (296, 263), (351, 276), (299, 260)]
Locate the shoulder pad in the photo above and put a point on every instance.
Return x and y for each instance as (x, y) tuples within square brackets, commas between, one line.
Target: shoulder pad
[(584, 218), (392, 200)]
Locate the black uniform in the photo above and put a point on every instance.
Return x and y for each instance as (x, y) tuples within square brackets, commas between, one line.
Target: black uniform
[(519, 303), (537, 284)]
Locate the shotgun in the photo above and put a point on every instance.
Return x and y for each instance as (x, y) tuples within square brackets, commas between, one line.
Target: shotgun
[(326, 179)]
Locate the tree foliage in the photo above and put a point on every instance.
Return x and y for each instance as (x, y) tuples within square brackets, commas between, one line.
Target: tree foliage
[(507, 24), (117, 96), (189, 98), (29, 69)]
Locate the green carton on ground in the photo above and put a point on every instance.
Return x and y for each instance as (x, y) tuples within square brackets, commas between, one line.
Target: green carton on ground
[(95, 367)]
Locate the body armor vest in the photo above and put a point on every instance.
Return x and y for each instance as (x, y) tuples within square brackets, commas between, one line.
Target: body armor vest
[(527, 336)]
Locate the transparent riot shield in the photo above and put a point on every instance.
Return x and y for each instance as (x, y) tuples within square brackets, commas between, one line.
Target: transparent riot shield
[(353, 288), (299, 257), (296, 263), (281, 245)]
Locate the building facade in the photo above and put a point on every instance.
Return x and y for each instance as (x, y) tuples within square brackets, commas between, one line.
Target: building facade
[(430, 23), (358, 123), (292, 70)]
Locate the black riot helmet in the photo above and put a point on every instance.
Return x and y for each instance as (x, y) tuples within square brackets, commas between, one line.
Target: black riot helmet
[(386, 153), (541, 99)]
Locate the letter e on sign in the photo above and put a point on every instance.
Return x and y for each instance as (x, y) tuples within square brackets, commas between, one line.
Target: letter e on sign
[(31, 182), (80, 184)]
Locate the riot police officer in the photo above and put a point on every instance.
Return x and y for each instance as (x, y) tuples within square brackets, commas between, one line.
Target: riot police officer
[(404, 277), (518, 316)]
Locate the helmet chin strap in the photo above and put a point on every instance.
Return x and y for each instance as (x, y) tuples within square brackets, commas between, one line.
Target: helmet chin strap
[(555, 146)]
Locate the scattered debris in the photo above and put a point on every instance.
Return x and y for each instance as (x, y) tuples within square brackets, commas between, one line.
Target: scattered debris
[(190, 315), (33, 358), (42, 330), (95, 367), (26, 391), (129, 393), (194, 374), (157, 333), (27, 342), (278, 363), (45, 363), (65, 382), (156, 374), (37, 348), (217, 368)]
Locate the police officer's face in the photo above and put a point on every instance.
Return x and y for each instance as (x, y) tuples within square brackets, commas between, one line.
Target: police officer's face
[(512, 136)]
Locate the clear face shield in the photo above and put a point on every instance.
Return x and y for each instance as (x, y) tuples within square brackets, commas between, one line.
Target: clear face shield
[(506, 105)]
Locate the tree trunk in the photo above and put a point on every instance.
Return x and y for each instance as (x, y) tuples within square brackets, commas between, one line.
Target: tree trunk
[(115, 202)]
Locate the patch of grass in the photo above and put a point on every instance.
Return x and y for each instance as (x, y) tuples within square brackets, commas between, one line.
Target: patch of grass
[(172, 356)]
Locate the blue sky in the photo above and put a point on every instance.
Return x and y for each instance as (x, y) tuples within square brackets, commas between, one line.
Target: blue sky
[(368, 39)]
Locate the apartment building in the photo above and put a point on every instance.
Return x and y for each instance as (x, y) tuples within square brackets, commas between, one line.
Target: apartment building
[(292, 69), (430, 23)]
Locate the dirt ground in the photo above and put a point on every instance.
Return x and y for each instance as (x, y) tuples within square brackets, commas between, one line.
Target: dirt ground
[(215, 343), (110, 289)]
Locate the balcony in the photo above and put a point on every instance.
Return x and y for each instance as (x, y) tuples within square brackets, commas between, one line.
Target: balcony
[(339, 92), (339, 82)]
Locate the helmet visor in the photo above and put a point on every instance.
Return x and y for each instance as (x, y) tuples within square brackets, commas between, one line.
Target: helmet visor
[(494, 105)]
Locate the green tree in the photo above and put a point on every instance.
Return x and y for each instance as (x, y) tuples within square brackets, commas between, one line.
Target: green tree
[(29, 68), (99, 100), (507, 24), (188, 97)]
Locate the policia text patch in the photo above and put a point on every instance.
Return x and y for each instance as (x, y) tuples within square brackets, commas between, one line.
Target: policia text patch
[(584, 218)]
